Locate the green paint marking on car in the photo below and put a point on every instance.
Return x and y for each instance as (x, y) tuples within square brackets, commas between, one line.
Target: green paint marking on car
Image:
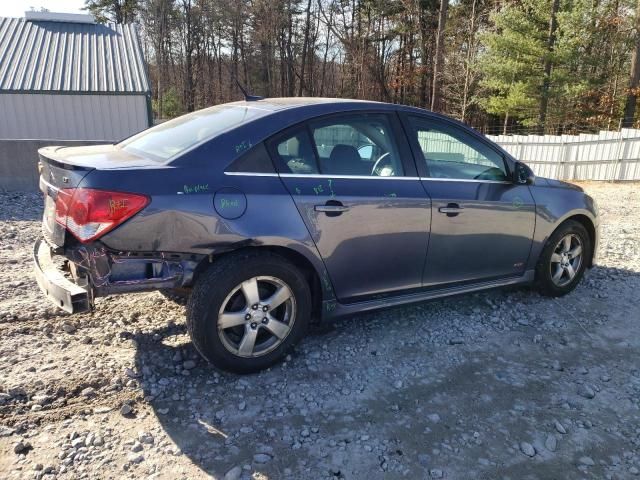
[(196, 188), (242, 146), (228, 203)]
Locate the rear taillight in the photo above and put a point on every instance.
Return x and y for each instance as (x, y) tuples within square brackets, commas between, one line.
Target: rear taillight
[(89, 213)]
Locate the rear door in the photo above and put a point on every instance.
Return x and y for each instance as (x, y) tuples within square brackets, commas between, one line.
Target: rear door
[(355, 185), (482, 222)]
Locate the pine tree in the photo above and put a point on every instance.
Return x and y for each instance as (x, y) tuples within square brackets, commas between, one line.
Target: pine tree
[(512, 65)]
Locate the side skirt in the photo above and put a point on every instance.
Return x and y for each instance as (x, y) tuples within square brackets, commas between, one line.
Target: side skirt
[(334, 309)]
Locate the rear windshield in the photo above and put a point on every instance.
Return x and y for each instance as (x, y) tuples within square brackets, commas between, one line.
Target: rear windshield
[(176, 136)]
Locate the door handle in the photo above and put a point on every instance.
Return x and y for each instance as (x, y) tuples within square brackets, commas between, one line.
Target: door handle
[(332, 208), (452, 209)]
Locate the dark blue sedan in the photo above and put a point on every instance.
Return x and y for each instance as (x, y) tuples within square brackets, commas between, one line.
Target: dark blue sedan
[(273, 214)]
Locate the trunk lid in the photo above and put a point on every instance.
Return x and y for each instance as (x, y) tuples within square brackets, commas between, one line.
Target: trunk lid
[(102, 157)]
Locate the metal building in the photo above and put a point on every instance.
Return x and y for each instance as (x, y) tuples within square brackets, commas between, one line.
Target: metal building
[(64, 77)]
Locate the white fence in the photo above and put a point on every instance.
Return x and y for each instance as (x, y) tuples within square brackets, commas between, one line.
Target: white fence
[(602, 156)]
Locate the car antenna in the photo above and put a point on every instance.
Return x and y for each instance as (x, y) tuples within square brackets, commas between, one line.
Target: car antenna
[(247, 96)]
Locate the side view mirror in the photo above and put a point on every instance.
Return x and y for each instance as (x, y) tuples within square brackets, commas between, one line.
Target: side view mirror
[(365, 152), (522, 174)]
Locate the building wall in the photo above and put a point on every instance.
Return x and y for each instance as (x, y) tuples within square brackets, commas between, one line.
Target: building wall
[(58, 116), (19, 162)]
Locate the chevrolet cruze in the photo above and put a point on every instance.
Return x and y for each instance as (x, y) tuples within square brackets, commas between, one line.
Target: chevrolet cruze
[(273, 214)]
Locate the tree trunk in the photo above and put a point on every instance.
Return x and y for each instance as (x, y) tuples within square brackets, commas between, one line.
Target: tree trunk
[(243, 59), (289, 52), (220, 60), (305, 46), (326, 52), (467, 63), (634, 79), (423, 22), (438, 68), (551, 40), (160, 102)]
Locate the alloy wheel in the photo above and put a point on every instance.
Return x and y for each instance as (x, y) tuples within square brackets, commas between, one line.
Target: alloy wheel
[(566, 259), (257, 316)]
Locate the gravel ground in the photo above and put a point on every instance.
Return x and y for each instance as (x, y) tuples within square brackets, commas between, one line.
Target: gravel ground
[(500, 384)]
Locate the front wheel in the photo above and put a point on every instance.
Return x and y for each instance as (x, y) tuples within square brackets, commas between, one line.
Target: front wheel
[(563, 260), (247, 311)]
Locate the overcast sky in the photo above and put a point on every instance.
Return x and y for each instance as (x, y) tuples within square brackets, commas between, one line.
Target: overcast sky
[(16, 8)]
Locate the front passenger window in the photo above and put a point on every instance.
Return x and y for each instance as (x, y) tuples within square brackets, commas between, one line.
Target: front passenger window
[(450, 152)]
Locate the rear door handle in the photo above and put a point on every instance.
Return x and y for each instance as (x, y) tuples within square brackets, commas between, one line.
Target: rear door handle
[(332, 208), (452, 209)]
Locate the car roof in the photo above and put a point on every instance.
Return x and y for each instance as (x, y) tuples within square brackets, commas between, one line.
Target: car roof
[(316, 106), (274, 104), (273, 115)]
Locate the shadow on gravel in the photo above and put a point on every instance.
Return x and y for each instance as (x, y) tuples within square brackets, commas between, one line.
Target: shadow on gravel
[(400, 405)]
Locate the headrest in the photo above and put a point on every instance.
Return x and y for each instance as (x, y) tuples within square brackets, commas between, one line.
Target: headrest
[(344, 154), (293, 147)]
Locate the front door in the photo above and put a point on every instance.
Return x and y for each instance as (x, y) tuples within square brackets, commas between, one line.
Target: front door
[(364, 206), (482, 223)]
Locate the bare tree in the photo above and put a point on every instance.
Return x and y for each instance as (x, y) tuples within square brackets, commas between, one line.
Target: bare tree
[(438, 68), (430, 53), (551, 40)]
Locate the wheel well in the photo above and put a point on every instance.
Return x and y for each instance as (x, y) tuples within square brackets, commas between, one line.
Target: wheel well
[(591, 230), (294, 257)]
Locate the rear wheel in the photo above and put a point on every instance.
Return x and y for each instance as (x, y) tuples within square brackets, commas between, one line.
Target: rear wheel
[(247, 311), (563, 260)]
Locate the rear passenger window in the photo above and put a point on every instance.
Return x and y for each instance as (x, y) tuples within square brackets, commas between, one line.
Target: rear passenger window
[(296, 153), (256, 160)]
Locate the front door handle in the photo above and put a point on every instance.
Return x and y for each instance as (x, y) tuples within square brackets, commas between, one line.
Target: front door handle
[(332, 208), (452, 209)]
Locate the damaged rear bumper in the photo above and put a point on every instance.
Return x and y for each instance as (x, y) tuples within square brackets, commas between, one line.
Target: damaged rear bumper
[(91, 271), (59, 289)]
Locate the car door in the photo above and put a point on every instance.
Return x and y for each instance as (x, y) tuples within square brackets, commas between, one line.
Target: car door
[(355, 185), (482, 222)]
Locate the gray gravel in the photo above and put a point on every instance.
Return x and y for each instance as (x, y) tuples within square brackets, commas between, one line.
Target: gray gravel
[(500, 384)]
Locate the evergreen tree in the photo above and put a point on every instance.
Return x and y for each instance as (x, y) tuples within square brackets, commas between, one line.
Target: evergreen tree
[(513, 63)]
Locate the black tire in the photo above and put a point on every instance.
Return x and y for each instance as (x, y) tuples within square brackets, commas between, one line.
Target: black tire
[(217, 282), (544, 275)]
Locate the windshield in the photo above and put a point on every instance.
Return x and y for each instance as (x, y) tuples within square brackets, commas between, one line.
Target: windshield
[(176, 136)]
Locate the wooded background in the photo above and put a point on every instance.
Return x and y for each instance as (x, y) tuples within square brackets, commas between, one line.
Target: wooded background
[(525, 66)]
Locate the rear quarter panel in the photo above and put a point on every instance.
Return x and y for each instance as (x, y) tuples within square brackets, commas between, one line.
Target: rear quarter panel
[(182, 218)]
